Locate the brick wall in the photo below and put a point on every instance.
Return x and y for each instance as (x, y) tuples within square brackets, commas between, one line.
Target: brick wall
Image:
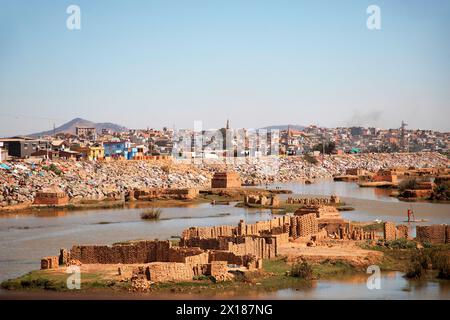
[(49, 262), (137, 252), (436, 234), (169, 271), (402, 232), (390, 232)]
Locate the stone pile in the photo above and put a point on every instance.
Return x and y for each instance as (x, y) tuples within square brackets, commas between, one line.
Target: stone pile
[(112, 179)]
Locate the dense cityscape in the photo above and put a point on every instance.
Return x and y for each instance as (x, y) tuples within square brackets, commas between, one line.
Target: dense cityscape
[(91, 143)]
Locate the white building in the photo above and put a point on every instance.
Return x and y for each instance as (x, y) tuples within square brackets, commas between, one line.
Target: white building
[(1, 151)]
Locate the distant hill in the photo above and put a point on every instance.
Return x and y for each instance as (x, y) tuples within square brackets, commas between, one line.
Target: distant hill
[(69, 127), (284, 127)]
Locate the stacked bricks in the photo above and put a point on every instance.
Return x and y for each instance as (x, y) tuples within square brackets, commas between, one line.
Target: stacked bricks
[(208, 232), (219, 270), (447, 234), (402, 232), (50, 262), (360, 234), (309, 201), (64, 256), (139, 252), (226, 180), (436, 234), (205, 244), (307, 225), (293, 232), (188, 255), (390, 232), (241, 229), (169, 271)]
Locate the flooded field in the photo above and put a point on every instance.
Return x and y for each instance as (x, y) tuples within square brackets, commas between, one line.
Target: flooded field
[(25, 238)]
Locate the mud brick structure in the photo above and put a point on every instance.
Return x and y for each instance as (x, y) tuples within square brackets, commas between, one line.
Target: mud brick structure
[(357, 172), (257, 199), (50, 262), (389, 231), (447, 234), (226, 180), (293, 228), (393, 232), (263, 247), (169, 271), (51, 197), (314, 201), (387, 175), (219, 270), (435, 234), (402, 232), (146, 194), (208, 232), (182, 194), (323, 213), (273, 225), (64, 257), (139, 252), (307, 225)]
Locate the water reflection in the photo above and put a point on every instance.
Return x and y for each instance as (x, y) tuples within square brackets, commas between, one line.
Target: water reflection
[(343, 189), (393, 286)]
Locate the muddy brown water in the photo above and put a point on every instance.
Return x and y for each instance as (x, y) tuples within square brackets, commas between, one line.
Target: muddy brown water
[(25, 238)]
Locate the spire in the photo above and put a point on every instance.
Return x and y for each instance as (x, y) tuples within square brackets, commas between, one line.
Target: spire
[(228, 124)]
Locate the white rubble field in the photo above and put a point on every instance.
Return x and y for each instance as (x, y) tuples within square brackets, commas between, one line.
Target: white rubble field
[(19, 181)]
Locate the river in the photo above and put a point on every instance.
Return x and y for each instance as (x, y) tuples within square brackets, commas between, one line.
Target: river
[(25, 238)]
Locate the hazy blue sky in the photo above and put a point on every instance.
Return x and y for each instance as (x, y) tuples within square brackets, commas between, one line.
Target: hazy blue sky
[(156, 63)]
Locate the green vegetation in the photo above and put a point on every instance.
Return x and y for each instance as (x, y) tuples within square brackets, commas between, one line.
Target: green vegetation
[(442, 190), (430, 258), (404, 255), (302, 270), (53, 168), (408, 184), (57, 281), (151, 214)]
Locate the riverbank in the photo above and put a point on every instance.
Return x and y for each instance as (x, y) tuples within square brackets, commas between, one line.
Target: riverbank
[(277, 274), (216, 196), (84, 180)]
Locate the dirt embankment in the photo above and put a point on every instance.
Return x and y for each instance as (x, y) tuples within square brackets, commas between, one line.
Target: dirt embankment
[(344, 251)]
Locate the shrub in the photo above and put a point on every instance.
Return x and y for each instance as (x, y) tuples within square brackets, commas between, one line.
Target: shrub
[(151, 214), (415, 271), (310, 159), (401, 244), (302, 270), (411, 184)]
